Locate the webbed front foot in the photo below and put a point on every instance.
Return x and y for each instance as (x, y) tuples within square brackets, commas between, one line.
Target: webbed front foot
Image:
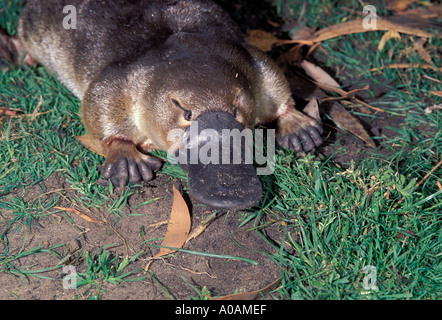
[(299, 131), (125, 164)]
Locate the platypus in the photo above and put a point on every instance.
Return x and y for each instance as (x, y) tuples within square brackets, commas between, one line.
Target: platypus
[(143, 68)]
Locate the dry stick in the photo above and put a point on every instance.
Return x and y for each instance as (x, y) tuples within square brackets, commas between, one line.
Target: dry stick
[(420, 182), (357, 26), (402, 66), (344, 93)]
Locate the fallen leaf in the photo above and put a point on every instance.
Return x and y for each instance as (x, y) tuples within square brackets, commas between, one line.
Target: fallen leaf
[(318, 74), (391, 34), (357, 26), (301, 33), (261, 39), (294, 55), (399, 5), (324, 81), (312, 109), (348, 122), (251, 295), (8, 112), (266, 41), (87, 142), (179, 225), (418, 45), (429, 12), (78, 213)]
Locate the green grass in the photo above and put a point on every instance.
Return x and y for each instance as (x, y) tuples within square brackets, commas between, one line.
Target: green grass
[(334, 221), (103, 267)]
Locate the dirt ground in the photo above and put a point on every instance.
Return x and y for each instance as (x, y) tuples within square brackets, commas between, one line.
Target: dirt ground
[(220, 276)]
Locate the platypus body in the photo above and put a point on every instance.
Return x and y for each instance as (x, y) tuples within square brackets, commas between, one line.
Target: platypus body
[(143, 68)]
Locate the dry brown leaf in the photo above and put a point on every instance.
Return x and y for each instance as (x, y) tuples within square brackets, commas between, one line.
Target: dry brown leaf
[(399, 5), (302, 33), (8, 112), (318, 74), (78, 213), (437, 93), (324, 81), (251, 295), (87, 142), (179, 225), (391, 34), (357, 26), (293, 56), (343, 118), (418, 45), (261, 39), (266, 41), (429, 12)]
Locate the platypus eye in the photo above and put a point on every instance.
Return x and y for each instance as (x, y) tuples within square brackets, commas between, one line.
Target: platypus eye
[(187, 113)]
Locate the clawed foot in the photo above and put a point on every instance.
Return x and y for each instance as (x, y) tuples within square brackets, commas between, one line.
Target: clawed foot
[(125, 164), (125, 171), (299, 131), (304, 140)]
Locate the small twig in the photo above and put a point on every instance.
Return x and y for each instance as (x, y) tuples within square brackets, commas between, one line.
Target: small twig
[(36, 110)]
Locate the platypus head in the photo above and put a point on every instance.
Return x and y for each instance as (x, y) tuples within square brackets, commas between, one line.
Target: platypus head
[(208, 117)]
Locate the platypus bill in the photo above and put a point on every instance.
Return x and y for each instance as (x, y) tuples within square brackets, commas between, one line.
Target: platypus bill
[(145, 68)]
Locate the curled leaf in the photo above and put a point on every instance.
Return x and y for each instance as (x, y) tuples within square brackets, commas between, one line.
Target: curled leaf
[(179, 225)]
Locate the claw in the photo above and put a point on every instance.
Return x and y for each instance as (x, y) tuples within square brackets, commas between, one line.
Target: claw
[(301, 131), (120, 173), (124, 171), (145, 171), (305, 140), (134, 175)]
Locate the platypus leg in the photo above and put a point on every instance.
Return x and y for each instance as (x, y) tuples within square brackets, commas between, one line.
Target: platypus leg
[(125, 164), (300, 131)]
